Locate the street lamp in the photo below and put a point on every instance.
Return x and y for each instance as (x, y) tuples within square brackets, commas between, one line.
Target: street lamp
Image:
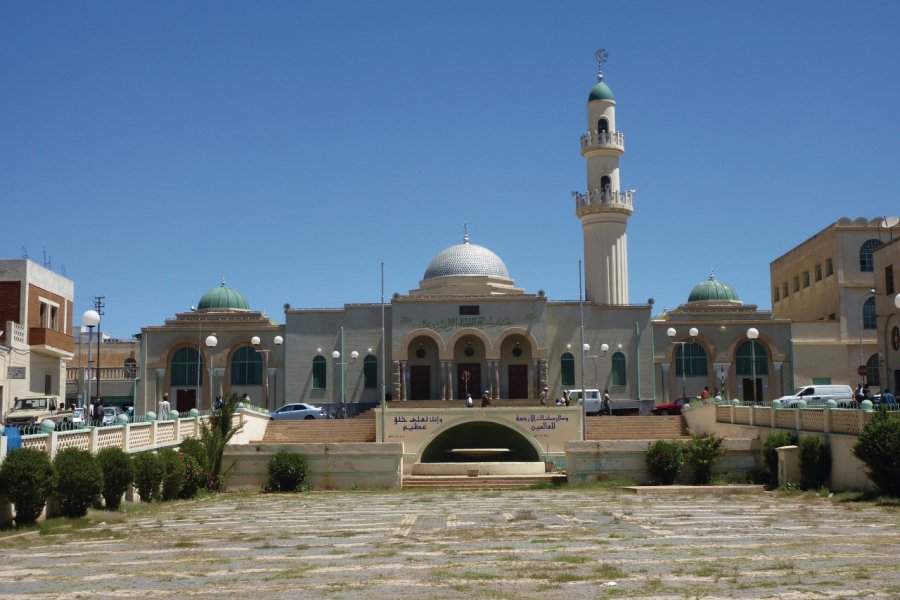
[(693, 332), (604, 348), (753, 333), (265, 352), (211, 341), (91, 318), (336, 355)]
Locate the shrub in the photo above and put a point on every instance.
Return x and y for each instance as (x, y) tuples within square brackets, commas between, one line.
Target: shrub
[(193, 476), (148, 474), (815, 462), (26, 477), (194, 448), (287, 471), (770, 455), (173, 473), (215, 435), (878, 446), (77, 481), (665, 459), (701, 453), (118, 473)]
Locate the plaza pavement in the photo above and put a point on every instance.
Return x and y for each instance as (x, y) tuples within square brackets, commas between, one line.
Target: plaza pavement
[(541, 543)]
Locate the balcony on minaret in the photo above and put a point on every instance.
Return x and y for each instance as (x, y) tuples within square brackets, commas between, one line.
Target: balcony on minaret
[(602, 140), (604, 201)]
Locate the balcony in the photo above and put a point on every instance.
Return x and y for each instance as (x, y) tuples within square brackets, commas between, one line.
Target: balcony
[(602, 140), (603, 201), (106, 373), (51, 342)]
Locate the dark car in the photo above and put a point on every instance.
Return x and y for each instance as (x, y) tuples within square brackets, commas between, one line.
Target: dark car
[(673, 408)]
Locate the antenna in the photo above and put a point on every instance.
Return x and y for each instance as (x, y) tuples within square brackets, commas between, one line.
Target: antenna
[(24, 253)]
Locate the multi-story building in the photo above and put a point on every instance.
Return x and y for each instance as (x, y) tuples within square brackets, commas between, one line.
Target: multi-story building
[(886, 262), (35, 330), (112, 366), (825, 286)]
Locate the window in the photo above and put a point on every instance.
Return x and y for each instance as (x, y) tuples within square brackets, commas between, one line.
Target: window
[(602, 125), (605, 184), (865, 255), (821, 380), (186, 367), (370, 372), (868, 314), (246, 366), (319, 373), (785, 290), (806, 279), (567, 368), (818, 272), (749, 353), (49, 314), (829, 267), (797, 283), (694, 362), (619, 372), (775, 297), (469, 310), (889, 279), (130, 368), (873, 375)]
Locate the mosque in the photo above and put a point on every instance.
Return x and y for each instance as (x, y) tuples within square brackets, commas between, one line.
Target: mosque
[(467, 328)]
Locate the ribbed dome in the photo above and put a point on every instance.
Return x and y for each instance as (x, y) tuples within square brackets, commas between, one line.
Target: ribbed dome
[(466, 259), (713, 290), (601, 91), (223, 298)]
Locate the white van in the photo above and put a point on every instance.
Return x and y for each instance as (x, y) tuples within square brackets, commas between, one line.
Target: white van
[(818, 395)]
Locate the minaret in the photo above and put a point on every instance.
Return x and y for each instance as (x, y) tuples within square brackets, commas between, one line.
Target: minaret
[(604, 209)]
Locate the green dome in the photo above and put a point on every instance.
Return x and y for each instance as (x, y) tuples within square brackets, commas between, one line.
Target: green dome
[(223, 298), (601, 91), (713, 290)]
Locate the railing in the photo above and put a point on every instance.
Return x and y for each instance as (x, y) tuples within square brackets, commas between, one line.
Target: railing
[(106, 373), (14, 334), (848, 421), (601, 139), (604, 198)]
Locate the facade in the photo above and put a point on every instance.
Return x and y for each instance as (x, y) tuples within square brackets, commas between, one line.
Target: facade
[(36, 324), (112, 366), (886, 263), (825, 286), (736, 349)]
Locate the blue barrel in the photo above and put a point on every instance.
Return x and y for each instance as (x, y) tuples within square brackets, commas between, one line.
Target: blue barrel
[(13, 438)]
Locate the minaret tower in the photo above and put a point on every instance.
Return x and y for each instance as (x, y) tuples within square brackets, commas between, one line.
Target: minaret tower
[(604, 209)]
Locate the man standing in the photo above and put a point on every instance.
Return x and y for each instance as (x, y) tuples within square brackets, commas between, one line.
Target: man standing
[(544, 397), (162, 411)]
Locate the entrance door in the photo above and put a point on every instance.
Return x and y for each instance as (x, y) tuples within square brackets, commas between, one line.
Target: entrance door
[(419, 382), (752, 393), (472, 373), (185, 400), (518, 381)]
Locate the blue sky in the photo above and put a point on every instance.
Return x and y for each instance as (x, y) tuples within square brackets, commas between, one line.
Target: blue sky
[(151, 148)]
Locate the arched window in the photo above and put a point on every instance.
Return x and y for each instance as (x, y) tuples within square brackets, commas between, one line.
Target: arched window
[(865, 254), (603, 124), (370, 372), (185, 367), (605, 183), (873, 375), (619, 373), (567, 368), (246, 366), (319, 373), (694, 362), (745, 355), (130, 368), (869, 320)]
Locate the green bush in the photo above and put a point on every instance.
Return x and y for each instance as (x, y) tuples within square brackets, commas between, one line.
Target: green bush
[(118, 473), (77, 481), (194, 448), (665, 459), (701, 453), (878, 446), (815, 462), (287, 471), (193, 476), (173, 473), (26, 477), (215, 435), (770, 455), (148, 475)]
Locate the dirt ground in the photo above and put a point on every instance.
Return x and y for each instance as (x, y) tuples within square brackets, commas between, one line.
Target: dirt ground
[(548, 543)]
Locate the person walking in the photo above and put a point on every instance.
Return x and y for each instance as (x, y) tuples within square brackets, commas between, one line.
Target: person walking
[(485, 399), (163, 408)]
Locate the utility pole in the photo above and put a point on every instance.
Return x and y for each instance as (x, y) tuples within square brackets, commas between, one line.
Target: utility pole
[(99, 305)]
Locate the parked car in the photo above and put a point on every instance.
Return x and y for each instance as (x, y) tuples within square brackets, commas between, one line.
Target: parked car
[(672, 408), (299, 410), (110, 414)]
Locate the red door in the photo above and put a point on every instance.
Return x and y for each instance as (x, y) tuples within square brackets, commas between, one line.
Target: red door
[(468, 380), (518, 381), (419, 382), (185, 400)]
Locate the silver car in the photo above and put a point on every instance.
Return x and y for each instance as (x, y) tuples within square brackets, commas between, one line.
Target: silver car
[(299, 410)]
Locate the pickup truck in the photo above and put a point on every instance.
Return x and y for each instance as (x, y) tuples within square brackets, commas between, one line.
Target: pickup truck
[(36, 410)]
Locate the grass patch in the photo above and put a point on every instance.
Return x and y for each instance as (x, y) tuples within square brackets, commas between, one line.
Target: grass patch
[(608, 571), (571, 560), (186, 544)]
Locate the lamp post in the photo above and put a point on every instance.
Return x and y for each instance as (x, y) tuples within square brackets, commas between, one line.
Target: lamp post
[(211, 341), (604, 348), (90, 318), (199, 359), (753, 333), (693, 332), (265, 352), (336, 355)]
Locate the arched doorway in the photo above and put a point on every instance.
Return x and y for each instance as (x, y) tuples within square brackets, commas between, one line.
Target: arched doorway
[(424, 368), (515, 357), (469, 356), (473, 435)]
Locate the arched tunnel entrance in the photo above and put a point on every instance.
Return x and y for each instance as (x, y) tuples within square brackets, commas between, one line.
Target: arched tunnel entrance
[(480, 441)]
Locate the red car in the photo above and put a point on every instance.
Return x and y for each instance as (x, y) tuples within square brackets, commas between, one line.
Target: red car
[(673, 408)]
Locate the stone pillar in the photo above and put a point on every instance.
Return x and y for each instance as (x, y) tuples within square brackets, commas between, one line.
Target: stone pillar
[(779, 368), (665, 380), (788, 465)]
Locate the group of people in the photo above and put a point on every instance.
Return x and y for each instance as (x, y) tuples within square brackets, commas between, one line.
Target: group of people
[(485, 400), (864, 393)]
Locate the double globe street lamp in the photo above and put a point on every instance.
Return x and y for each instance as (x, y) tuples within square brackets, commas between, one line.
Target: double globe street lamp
[(693, 332), (278, 340)]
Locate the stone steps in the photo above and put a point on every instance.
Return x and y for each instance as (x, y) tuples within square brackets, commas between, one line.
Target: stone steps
[(320, 431), (485, 482), (649, 427)]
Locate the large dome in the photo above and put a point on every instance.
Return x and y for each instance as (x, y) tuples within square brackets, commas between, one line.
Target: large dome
[(714, 291), (466, 259), (223, 298)]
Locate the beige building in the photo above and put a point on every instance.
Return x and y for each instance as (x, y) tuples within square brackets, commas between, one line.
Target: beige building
[(35, 331), (824, 287), (887, 310), (113, 368)]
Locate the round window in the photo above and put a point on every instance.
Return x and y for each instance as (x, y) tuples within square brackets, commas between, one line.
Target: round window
[(420, 352), (517, 352), (469, 351)]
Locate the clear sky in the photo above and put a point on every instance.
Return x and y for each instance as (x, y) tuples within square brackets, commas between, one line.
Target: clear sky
[(149, 148)]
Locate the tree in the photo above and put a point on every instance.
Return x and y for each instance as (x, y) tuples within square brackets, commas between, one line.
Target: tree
[(215, 435)]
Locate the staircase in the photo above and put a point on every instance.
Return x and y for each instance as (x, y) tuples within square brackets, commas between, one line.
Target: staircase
[(485, 482), (637, 428), (320, 431)]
